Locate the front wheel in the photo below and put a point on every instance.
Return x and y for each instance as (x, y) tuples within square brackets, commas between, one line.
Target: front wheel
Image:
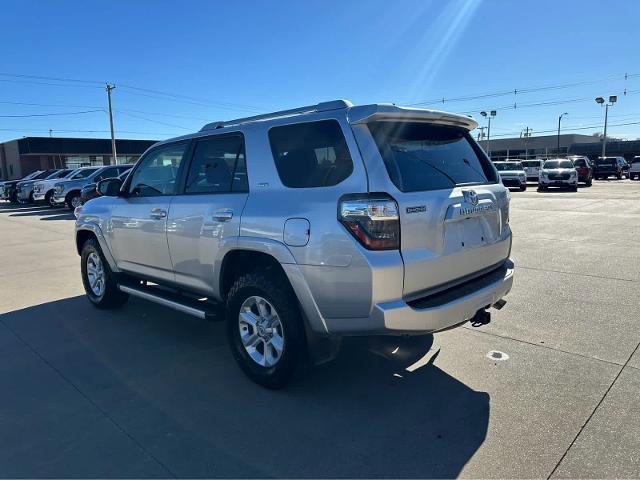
[(589, 182), (99, 281), (523, 188), (264, 328), (48, 198), (73, 201)]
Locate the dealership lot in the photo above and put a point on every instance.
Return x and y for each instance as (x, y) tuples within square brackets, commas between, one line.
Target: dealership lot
[(145, 391)]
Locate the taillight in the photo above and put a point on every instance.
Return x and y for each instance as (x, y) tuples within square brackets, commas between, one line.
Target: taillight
[(372, 219)]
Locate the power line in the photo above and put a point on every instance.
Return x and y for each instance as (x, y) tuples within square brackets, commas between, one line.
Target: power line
[(571, 129), (156, 121), (50, 114), (520, 91)]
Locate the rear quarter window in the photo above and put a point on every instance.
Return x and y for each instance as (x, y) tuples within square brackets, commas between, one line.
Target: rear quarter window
[(310, 154)]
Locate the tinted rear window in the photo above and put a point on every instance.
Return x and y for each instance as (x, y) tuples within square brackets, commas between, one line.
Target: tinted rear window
[(531, 164), (606, 161), (422, 156), (580, 163), (312, 154)]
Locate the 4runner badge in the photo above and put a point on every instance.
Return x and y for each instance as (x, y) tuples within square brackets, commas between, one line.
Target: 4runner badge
[(418, 209), (470, 196)]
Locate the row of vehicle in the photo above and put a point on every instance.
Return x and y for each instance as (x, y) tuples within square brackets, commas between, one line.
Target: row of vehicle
[(59, 187), (564, 172)]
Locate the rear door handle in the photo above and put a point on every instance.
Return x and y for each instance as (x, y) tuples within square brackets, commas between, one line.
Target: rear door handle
[(223, 215), (158, 213)]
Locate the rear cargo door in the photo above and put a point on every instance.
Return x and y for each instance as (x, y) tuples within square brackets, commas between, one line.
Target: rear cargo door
[(452, 208)]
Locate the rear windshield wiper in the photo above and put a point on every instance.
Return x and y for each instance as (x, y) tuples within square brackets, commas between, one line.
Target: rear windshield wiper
[(413, 155)]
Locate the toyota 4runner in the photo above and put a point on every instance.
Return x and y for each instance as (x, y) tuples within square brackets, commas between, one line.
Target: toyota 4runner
[(303, 226)]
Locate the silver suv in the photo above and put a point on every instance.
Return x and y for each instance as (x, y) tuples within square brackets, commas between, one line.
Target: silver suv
[(303, 226)]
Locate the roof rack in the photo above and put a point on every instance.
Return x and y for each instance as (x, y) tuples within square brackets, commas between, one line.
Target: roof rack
[(320, 107)]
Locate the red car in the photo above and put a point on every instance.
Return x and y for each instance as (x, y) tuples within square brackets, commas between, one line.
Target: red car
[(584, 168)]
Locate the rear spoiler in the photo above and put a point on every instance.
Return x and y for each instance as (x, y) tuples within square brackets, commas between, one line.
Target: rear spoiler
[(371, 113)]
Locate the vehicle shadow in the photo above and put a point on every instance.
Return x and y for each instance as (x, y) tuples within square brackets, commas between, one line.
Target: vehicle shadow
[(168, 381), (41, 212)]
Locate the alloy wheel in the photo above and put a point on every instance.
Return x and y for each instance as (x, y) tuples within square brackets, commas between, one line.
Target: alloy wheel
[(261, 331)]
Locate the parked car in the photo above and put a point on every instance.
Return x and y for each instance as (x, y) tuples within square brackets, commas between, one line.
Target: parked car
[(608, 166), (634, 170), (67, 192), (625, 166), (512, 174), (532, 169), (25, 189), (558, 172), (89, 191), (584, 169), (333, 220), (9, 191), (43, 189)]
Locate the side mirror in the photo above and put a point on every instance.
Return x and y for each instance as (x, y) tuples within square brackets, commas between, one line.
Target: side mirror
[(109, 187)]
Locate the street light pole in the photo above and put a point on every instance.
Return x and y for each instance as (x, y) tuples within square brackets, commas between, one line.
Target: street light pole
[(612, 99), (113, 136), (492, 113), (559, 120)]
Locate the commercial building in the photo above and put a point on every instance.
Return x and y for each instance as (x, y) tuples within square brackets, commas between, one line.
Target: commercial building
[(537, 147), (22, 156)]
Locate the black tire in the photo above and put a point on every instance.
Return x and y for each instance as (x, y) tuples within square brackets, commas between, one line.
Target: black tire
[(574, 189), (71, 199), (276, 290), (589, 182), (48, 199), (31, 200), (523, 188), (14, 197), (541, 189), (619, 176), (111, 296)]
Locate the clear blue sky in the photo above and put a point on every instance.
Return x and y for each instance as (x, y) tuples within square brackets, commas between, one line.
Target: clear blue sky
[(235, 58)]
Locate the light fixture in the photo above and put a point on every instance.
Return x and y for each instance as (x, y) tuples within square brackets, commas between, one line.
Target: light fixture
[(600, 100)]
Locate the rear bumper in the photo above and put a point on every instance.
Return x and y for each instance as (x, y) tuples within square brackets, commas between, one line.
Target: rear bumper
[(437, 312), (59, 199)]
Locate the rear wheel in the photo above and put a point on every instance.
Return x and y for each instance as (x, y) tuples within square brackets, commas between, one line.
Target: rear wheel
[(264, 328), (100, 283), (589, 182)]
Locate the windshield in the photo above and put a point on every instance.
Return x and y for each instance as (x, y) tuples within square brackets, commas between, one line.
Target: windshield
[(84, 173), (58, 174), (558, 164), (422, 156), (508, 166)]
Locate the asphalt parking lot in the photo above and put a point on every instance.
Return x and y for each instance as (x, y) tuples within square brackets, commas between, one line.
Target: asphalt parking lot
[(147, 392)]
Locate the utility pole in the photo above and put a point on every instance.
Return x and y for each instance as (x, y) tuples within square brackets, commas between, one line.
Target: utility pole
[(113, 136), (559, 120), (50, 133)]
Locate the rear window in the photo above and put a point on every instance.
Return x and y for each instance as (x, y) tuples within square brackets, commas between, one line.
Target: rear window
[(531, 163), (580, 163), (311, 154), (422, 156), (508, 166), (606, 161)]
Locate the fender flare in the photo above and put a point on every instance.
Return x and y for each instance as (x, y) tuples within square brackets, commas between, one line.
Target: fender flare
[(94, 228), (281, 253)]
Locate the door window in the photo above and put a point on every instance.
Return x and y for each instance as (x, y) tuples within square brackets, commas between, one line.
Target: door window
[(218, 166), (157, 173)]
